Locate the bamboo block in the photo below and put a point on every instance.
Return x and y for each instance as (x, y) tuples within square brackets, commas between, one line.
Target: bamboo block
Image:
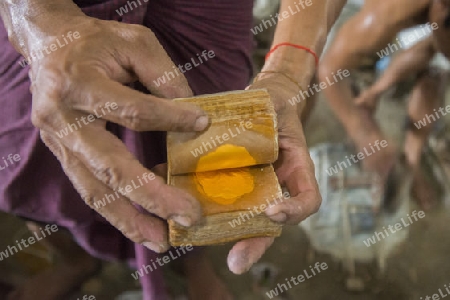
[(224, 223), (228, 176), (216, 229), (261, 193), (230, 113)]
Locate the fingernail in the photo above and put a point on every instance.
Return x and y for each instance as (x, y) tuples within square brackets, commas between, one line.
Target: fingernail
[(279, 217), (154, 246), (183, 220), (201, 123)]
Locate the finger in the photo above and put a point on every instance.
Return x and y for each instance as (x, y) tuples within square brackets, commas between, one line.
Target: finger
[(247, 252), (295, 209), (137, 226), (110, 161), (155, 69), (104, 98), (303, 202), (299, 179)]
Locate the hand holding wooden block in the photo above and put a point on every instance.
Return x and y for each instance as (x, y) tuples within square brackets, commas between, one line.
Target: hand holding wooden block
[(227, 168)]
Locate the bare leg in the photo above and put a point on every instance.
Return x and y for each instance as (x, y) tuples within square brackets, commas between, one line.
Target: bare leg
[(440, 13), (426, 96), (74, 267), (369, 31), (354, 42)]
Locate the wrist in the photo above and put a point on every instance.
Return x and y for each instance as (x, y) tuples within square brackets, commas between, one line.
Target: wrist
[(290, 87), (296, 63), (38, 22)]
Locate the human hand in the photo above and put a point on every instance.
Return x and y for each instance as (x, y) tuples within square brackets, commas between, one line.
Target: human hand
[(86, 77), (294, 168)]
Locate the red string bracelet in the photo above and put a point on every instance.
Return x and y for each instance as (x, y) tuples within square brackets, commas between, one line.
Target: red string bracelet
[(295, 46)]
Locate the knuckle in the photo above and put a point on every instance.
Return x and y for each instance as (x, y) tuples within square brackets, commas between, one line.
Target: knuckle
[(43, 115), (37, 118), (132, 231), (140, 33), (315, 208), (317, 203), (153, 205), (52, 80), (46, 98), (89, 199), (132, 116), (128, 226), (110, 175), (79, 71), (135, 235)]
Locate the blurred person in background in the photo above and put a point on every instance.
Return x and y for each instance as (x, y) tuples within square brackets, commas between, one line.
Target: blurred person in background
[(371, 31)]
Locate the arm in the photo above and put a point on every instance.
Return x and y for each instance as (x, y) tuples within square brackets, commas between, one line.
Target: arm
[(90, 74), (294, 167), (30, 23), (309, 28)]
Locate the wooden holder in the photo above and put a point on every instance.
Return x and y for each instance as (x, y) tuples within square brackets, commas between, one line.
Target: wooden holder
[(246, 124)]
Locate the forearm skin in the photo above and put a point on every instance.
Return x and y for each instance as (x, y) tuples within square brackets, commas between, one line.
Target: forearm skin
[(308, 28), (31, 22)]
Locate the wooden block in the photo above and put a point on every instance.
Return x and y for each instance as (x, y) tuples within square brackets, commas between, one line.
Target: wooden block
[(234, 221), (216, 229), (265, 182), (247, 117), (228, 176)]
